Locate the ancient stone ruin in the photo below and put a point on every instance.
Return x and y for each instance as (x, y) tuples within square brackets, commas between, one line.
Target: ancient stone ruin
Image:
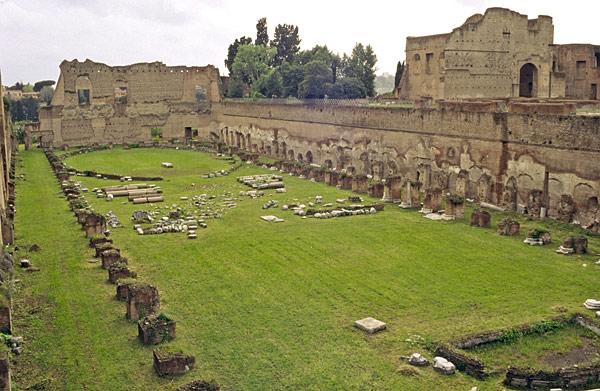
[(154, 329), (450, 65), (573, 245), (119, 270), (538, 237), (481, 218), (200, 385), (142, 300), (110, 257), (508, 227), (168, 363)]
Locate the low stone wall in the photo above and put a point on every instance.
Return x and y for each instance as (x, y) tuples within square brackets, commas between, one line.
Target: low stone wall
[(525, 378), (570, 378), (463, 363)]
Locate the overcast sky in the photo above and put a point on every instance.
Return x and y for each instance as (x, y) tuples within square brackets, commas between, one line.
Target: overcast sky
[(36, 35)]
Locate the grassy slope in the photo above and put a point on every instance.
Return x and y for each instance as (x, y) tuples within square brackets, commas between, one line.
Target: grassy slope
[(271, 306)]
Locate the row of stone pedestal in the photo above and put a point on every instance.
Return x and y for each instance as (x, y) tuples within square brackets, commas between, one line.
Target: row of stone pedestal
[(142, 302), (7, 229), (388, 189)]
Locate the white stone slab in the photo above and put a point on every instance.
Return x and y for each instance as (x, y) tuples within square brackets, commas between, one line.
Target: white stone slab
[(271, 219), (370, 325)]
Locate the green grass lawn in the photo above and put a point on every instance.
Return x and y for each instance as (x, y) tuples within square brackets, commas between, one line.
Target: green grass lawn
[(271, 306), (537, 351)]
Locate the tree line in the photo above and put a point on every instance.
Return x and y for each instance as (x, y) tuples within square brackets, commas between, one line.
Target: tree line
[(277, 68), (26, 108)]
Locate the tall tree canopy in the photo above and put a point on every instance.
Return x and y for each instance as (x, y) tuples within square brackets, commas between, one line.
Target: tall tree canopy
[(281, 69), (269, 85), (361, 65), (25, 109), (233, 49), (399, 71), (252, 62), (322, 54), (262, 35), (287, 43), (291, 76), (37, 86), (317, 80)]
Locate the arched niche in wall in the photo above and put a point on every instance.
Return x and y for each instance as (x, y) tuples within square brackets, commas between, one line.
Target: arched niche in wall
[(528, 81), (309, 157), (510, 194)]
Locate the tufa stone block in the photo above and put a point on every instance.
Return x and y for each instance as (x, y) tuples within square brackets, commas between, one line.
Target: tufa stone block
[(370, 325), (172, 363), (118, 271), (110, 257), (154, 329), (142, 300)]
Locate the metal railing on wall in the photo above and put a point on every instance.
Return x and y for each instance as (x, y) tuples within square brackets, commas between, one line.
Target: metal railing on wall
[(319, 102)]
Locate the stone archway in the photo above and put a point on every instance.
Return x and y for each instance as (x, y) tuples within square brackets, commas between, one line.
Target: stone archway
[(528, 81), (309, 157), (484, 188)]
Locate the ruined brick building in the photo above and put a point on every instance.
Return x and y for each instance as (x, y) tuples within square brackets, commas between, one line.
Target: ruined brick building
[(538, 156), (94, 102), (7, 186), (500, 54)]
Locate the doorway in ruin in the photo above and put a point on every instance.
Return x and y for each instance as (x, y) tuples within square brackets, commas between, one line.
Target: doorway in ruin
[(594, 91), (528, 81), (188, 132), (309, 157)]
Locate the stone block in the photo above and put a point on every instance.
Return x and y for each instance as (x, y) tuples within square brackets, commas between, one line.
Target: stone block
[(110, 257), (100, 247), (123, 288), (443, 366), (5, 317), (580, 244), (5, 383), (96, 240), (418, 360), (200, 385), (142, 300), (154, 329), (481, 218), (95, 224), (360, 184), (508, 227), (172, 363), (370, 325), (119, 271)]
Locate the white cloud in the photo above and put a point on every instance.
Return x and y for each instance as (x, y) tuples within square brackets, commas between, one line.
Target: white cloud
[(36, 35)]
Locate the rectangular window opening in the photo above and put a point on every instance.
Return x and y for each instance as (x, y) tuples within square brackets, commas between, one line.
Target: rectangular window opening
[(83, 97), (121, 95), (580, 66)]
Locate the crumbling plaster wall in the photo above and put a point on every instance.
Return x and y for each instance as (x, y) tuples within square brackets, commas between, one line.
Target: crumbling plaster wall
[(482, 58), (580, 79), (8, 144), (125, 102), (498, 157)]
